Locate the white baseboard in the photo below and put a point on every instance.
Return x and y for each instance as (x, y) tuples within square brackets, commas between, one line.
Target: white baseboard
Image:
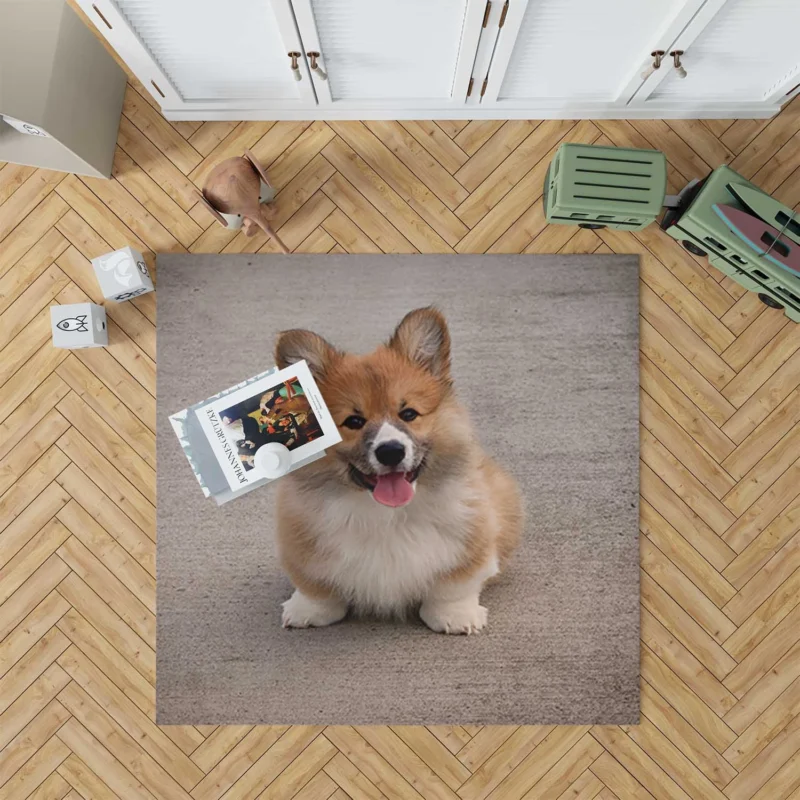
[(706, 111)]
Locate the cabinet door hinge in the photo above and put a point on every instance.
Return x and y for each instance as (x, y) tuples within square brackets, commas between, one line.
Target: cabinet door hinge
[(503, 15), (469, 88), (486, 13)]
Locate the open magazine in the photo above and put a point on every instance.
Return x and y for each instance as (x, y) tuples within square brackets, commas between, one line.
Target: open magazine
[(221, 435)]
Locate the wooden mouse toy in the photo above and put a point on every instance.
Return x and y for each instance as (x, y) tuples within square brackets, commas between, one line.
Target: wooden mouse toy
[(233, 195)]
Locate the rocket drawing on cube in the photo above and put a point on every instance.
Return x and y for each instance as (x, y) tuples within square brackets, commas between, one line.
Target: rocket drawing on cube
[(122, 275), (78, 325)]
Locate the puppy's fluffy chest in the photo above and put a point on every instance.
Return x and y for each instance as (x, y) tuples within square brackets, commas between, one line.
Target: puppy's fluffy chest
[(383, 560)]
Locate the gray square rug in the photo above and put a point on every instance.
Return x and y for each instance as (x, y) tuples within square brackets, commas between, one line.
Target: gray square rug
[(552, 341)]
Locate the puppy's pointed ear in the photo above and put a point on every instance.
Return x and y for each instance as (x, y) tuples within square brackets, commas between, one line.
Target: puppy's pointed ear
[(299, 345), (423, 338)]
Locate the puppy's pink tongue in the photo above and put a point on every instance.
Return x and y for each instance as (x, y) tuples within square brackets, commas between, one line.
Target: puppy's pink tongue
[(393, 490)]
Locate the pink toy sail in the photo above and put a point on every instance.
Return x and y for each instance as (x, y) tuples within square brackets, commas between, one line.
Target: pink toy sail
[(769, 209), (764, 239)]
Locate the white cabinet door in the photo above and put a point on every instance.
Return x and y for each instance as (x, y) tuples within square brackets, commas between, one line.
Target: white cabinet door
[(734, 51), (208, 54), (578, 54), (378, 54)]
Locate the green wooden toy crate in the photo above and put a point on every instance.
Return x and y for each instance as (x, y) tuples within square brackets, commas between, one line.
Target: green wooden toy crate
[(696, 225), (597, 187)]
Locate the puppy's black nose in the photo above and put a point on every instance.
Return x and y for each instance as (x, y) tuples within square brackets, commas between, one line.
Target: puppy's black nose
[(390, 454)]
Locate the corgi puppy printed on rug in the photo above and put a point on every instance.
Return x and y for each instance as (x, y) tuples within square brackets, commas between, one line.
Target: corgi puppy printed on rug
[(407, 510)]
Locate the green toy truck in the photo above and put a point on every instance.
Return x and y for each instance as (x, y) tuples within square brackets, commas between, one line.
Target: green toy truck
[(702, 232), (598, 187)]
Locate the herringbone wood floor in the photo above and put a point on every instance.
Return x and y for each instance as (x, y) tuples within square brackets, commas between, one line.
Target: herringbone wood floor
[(720, 473)]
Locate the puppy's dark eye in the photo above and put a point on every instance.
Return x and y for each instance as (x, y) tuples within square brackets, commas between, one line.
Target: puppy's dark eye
[(408, 414), (354, 422)]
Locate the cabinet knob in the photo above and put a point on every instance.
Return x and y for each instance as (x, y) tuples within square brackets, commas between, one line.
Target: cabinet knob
[(676, 60), (295, 66), (657, 56), (315, 68)]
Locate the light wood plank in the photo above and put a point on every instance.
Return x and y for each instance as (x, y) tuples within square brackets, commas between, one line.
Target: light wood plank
[(437, 143), (421, 221)]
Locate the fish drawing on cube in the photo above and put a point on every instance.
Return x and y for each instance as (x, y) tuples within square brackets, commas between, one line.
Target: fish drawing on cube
[(78, 325), (122, 275)]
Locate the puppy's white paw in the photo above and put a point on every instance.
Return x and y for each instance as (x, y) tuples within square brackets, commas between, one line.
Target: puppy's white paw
[(300, 611), (462, 616)]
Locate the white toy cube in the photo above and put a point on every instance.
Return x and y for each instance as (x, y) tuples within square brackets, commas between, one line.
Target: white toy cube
[(122, 274), (78, 325)]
